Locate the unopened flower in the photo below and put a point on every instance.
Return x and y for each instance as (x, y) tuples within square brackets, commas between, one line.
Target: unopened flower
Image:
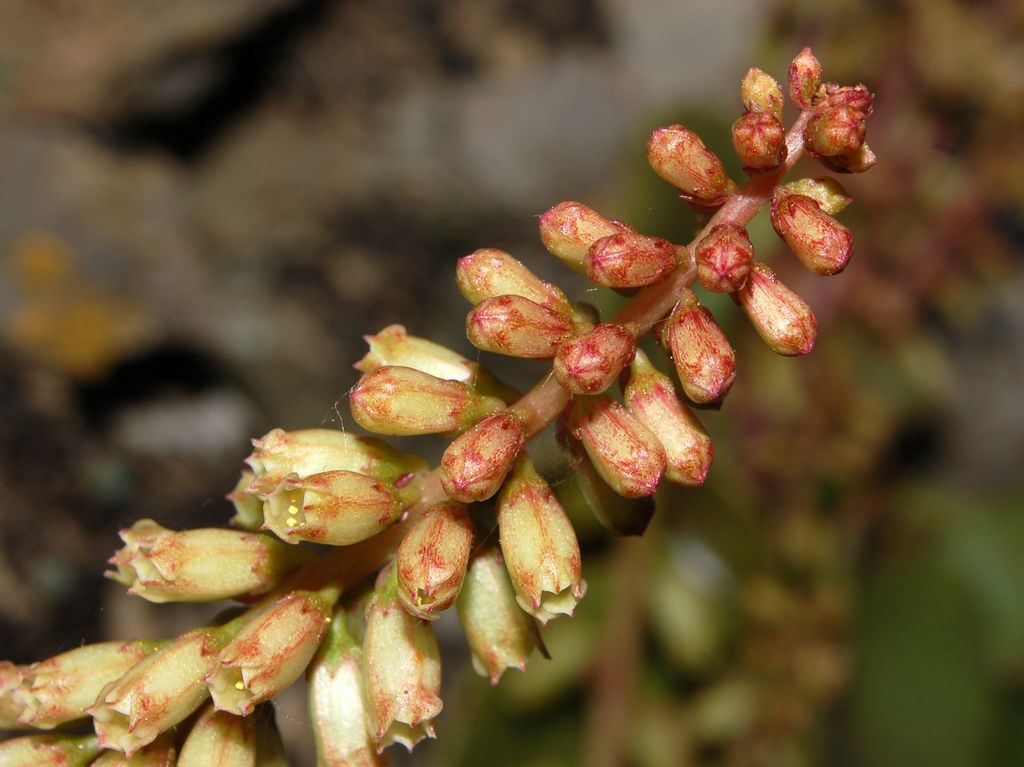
[(780, 316), (432, 559), (827, 192), (518, 327), (822, 244), (160, 753), (630, 260), (248, 505), (834, 130), (271, 650), (401, 670), (220, 739), (338, 508), (855, 162), (50, 750), (162, 565), (475, 463), (680, 158), (569, 229), (590, 363), (724, 256), (11, 703), (759, 140), (760, 92), (403, 401), (703, 356), (489, 272), (804, 78), (855, 97), (616, 513)]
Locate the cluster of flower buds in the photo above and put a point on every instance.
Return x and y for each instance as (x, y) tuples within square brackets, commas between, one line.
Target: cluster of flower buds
[(400, 543)]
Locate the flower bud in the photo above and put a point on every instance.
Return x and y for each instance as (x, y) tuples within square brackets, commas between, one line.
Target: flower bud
[(703, 357), (338, 708), (827, 192), (779, 315), (338, 508), (432, 558), (248, 505), (489, 272), (51, 750), (475, 464), (590, 363), (401, 670), (761, 93), (804, 78), (630, 260), (58, 690), (855, 162), (855, 97), (499, 633), (680, 158), (617, 514), (271, 650), (759, 140), (11, 703), (403, 401), (539, 545), (569, 229), (220, 739), (624, 451), (724, 256), (518, 327), (821, 243), (652, 399), (162, 565), (159, 753), (834, 131)]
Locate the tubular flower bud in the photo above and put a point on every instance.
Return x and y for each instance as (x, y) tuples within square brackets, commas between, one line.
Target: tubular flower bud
[(401, 670), (518, 327), (159, 753), (337, 702), (804, 78), (58, 690), (271, 650), (760, 92), (590, 363), (834, 131), (630, 260), (220, 739), (703, 357), (652, 399), (724, 257), (618, 515), (11, 705), (402, 401), (539, 545), (489, 272), (162, 565), (432, 558), (680, 158), (248, 506), (779, 315), (338, 508), (499, 633), (475, 464), (624, 451), (159, 691), (56, 750), (821, 243), (827, 192), (759, 140), (569, 229)]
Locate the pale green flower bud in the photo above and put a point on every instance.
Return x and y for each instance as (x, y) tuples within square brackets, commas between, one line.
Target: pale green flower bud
[(760, 92), (432, 558), (162, 565), (539, 545), (680, 158), (569, 229), (336, 507), (475, 464), (159, 753), (703, 356), (783, 320), (827, 192), (590, 363), (518, 327), (617, 514), (11, 705), (248, 505), (401, 670), (271, 650), (51, 750), (490, 272), (499, 633), (822, 244), (220, 739)]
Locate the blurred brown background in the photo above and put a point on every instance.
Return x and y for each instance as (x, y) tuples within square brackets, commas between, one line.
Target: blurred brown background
[(205, 205)]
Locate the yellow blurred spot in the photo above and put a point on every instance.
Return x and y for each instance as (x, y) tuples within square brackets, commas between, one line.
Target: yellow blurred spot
[(293, 509), (239, 686), (291, 521)]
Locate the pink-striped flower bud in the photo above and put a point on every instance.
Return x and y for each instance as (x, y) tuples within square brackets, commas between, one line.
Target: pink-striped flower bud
[(590, 363), (652, 399), (51, 750), (162, 565), (617, 514), (160, 753), (827, 192), (855, 97), (220, 739), (475, 464), (680, 158), (704, 359), (724, 256), (11, 703), (58, 690), (539, 545), (624, 451), (248, 505), (821, 243), (518, 327), (630, 260), (338, 508), (759, 140), (499, 633), (804, 78), (760, 92), (401, 670), (271, 650), (432, 559), (834, 130), (489, 272), (780, 316), (403, 401), (569, 229)]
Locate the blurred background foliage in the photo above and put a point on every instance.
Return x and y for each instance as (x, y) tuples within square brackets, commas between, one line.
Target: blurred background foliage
[(203, 206)]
